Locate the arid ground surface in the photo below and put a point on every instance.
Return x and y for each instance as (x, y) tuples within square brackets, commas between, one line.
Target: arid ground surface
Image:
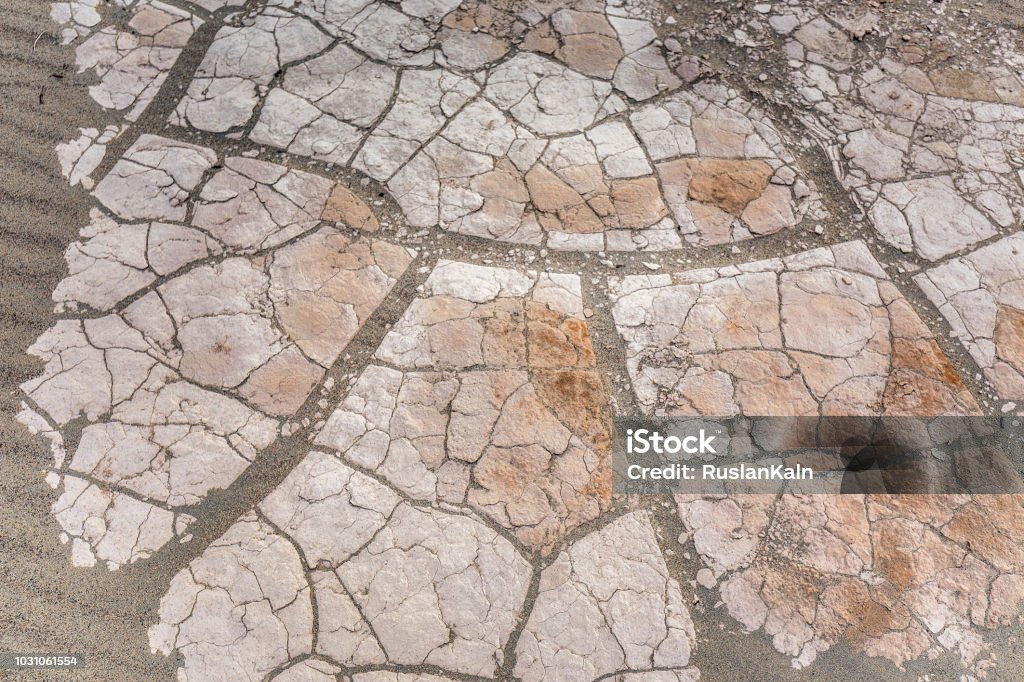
[(315, 314)]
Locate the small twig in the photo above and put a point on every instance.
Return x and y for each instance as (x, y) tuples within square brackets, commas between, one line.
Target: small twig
[(36, 41)]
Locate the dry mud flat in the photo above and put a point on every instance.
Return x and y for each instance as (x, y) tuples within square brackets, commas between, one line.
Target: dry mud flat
[(322, 386)]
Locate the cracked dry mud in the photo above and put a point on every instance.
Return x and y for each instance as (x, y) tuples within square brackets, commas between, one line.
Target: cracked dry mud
[(406, 260)]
